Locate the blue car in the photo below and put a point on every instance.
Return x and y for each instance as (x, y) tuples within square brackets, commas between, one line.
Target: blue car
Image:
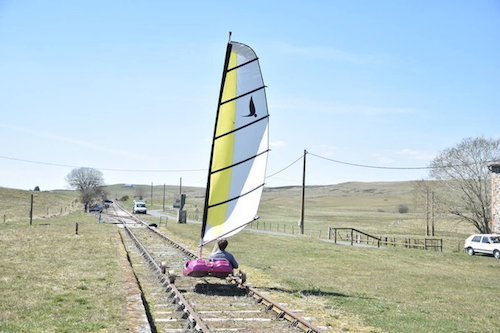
[(96, 209)]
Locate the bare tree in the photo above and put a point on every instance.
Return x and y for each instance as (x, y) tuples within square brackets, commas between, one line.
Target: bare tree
[(139, 192), (89, 182), (463, 169), (428, 197)]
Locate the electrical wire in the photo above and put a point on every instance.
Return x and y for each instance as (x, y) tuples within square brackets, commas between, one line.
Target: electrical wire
[(102, 169), (277, 172), (402, 168), (269, 176), (372, 166)]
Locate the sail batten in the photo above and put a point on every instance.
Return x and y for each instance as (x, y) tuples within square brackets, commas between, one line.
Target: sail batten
[(236, 198), (240, 147), (242, 65), (240, 162), (242, 95), (242, 127)]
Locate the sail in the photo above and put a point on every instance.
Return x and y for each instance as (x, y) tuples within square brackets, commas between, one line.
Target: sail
[(240, 147)]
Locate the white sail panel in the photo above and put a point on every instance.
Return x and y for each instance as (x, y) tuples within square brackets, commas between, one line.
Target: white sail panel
[(240, 147)]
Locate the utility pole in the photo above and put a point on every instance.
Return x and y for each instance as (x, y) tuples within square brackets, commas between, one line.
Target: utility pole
[(432, 213), (151, 204), (303, 194), (427, 212), (164, 197)]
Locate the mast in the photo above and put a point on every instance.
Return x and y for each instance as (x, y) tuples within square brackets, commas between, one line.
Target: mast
[(207, 191)]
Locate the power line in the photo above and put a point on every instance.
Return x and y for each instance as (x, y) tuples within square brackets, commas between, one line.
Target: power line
[(277, 172), (402, 168), (269, 176), (373, 166), (103, 169)]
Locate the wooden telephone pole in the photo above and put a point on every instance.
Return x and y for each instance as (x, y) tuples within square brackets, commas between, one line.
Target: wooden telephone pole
[(303, 195)]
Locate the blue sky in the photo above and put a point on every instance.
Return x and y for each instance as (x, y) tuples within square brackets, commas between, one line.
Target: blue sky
[(133, 85)]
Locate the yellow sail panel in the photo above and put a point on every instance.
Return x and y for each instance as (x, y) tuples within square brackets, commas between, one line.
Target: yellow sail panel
[(239, 152), (223, 149)]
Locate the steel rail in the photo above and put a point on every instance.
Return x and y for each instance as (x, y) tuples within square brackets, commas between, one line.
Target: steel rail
[(282, 312), (183, 304)]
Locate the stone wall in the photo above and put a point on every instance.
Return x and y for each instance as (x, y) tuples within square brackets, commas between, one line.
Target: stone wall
[(495, 202)]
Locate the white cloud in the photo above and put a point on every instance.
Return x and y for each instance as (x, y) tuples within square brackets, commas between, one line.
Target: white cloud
[(278, 144)]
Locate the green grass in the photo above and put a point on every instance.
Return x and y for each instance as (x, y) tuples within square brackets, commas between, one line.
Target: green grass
[(390, 290), (69, 277), (15, 204), (53, 280)]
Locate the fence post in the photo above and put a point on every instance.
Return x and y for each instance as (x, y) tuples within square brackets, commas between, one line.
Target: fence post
[(352, 236), (31, 210), (76, 229)]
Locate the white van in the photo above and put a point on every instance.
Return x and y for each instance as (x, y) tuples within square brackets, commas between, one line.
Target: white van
[(139, 207)]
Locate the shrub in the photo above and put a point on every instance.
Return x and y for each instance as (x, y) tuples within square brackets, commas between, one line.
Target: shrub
[(124, 198), (403, 209)]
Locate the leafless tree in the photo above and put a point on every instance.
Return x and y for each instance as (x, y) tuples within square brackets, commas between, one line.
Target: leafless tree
[(139, 192), (428, 197), (89, 182), (463, 170)]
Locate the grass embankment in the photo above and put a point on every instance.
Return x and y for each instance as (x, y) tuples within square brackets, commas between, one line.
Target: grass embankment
[(15, 204), (389, 290), (52, 280)]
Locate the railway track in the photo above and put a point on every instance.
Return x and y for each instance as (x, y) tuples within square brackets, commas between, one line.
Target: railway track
[(174, 303)]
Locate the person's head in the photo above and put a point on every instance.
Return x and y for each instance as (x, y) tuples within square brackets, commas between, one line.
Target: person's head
[(222, 243)]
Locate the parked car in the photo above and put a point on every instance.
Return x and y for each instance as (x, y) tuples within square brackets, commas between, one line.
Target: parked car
[(139, 207), (483, 243), (96, 208)]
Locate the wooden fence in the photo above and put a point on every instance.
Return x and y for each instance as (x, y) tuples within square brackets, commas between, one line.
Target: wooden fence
[(355, 236)]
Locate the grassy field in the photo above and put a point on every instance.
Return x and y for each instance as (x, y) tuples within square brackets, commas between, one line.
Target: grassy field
[(15, 204), (384, 290), (369, 207), (70, 277), (52, 280)]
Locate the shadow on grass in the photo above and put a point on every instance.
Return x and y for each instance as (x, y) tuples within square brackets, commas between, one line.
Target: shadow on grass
[(313, 292), (218, 289)]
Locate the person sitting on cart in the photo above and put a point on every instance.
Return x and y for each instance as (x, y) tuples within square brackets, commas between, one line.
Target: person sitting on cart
[(221, 253)]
